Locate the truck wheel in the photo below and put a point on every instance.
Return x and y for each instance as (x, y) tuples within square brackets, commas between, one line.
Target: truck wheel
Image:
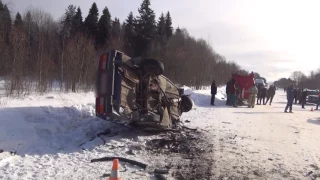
[(152, 65), (186, 103)]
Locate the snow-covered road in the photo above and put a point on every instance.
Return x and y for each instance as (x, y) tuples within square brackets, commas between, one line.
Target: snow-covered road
[(261, 143), (51, 137)]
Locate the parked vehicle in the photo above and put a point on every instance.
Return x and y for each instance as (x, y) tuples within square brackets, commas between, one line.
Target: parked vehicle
[(243, 83), (134, 92), (312, 96), (260, 81)]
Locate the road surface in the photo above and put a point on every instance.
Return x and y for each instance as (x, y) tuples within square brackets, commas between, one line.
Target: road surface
[(261, 143)]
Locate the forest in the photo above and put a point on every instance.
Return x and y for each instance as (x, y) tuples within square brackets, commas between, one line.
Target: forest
[(38, 53)]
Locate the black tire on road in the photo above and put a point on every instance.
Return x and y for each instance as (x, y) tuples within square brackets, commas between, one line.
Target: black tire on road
[(152, 65), (186, 103)]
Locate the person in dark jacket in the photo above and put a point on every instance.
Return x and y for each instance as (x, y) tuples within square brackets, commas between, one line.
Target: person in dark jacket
[(228, 92), (304, 98), (259, 94), (298, 100), (232, 90), (263, 95), (289, 99), (213, 92), (270, 94)]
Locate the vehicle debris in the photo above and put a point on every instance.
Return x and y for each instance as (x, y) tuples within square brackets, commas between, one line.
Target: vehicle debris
[(160, 177)]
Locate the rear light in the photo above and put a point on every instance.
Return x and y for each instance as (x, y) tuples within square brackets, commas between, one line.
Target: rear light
[(100, 105), (103, 61)]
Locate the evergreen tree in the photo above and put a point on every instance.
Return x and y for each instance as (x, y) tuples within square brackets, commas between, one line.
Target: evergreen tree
[(145, 27), (77, 22), (104, 28), (91, 21), (161, 28), (169, 28), (178, 31), (5, 25), (129, 34), (116, 28), (18, 21), (67, 21), (1, 6)]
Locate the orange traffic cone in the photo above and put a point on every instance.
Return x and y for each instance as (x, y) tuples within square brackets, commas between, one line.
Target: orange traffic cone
[(311, 109), (115, 175)]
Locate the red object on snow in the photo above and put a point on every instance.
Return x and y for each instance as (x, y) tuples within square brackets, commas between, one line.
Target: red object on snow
[(244, 82)]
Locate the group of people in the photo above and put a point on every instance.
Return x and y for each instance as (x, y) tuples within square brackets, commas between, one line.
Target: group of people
[(262, 93), (265, 94), (297, 96), (231, 92), (256, 91)]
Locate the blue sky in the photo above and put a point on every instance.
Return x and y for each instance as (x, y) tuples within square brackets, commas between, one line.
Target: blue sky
[(272, 37)]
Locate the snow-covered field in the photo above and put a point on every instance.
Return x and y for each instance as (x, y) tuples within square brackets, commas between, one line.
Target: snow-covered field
[(53, 136)]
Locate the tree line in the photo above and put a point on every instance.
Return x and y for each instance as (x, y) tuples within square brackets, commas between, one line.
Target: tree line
[(301, 80), (36, 51)]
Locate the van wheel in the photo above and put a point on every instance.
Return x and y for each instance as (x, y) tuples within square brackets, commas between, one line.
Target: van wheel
[(186, 103), (152, 65)]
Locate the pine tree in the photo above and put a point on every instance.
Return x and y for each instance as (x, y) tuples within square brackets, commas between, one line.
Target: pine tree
[(5, 25), (116, 28), (145, 27), (91, 21), (18, 21), (161, 28), (77, 22), (104, 28), (178, 31), (129, 35), (1, 6), (67, 21), (169, 28)]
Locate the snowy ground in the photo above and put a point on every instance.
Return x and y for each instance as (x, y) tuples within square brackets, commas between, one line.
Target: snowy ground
[(260, 143), (53, 136)]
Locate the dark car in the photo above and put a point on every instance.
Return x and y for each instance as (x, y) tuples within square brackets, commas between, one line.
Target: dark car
[(133, 91), (312, 96)]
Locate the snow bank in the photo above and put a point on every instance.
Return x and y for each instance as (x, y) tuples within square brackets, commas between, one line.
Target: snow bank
[(44, 124), (203, 97)]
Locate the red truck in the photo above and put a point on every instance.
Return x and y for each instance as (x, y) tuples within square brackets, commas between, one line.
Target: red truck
[(243, 84)]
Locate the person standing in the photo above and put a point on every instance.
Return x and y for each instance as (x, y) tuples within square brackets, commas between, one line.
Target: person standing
[(263, 95), (289, 99), (259, 94), (252, 96), (270, 94), (233, 93), (304, 98), (213, 92), (228, 92), (295, 95), (298, 100)]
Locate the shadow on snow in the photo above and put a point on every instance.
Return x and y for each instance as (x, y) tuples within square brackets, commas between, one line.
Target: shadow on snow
[(52, 130)]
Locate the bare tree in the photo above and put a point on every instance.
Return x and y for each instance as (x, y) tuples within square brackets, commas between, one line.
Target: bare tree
[(79, 63)]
